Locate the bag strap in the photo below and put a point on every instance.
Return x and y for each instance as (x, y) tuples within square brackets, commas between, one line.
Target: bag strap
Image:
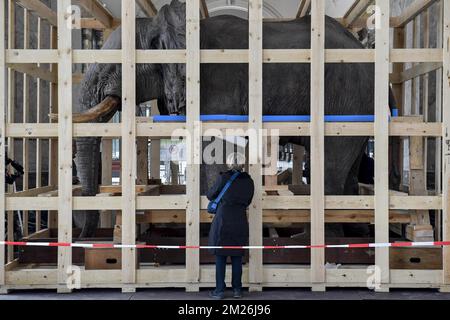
[(227, 185)]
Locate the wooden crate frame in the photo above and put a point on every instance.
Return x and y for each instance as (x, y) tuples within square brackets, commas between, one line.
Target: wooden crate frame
[(193, 276)]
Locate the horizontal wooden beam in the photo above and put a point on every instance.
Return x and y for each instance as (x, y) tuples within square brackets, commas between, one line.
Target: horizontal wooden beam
[(92, 23), (275, 217), (225, 56), (40, 9), (178, 202), (174, 276), (161, 130)]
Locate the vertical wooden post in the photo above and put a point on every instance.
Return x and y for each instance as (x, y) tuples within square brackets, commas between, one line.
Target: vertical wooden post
[(438, 113), (128, 180), (64, 143), (155, 149), (2, 146), (142, 160), (106, 216), (318, 144), (297, 168), (38, 120), (11, 108), (52, 219), (446, 146), (398, 90), (26, 109), (193, 166), (382, 141), (255, 126)]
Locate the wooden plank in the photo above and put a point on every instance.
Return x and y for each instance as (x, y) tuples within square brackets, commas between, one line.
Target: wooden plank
[(204, 9), (3, 107), (382, 141), (225, 56), (40, 9), (193, 149), (53, 147), (38, 120), (98, 12), (255, 125), (438, 117), (128, 179), (317, 152), (35, 71), (148, 7), (356, 11), (25, 113), (415, 9), (446, 145), (304, 8), (155, 149), (105, 216), (64, 144)]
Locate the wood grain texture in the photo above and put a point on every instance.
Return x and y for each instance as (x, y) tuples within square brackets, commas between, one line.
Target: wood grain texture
[(317, 152), (255, 146), (194, 150), (2, 142), (64, 143), (382, 140), (128, 179), (446, 143)]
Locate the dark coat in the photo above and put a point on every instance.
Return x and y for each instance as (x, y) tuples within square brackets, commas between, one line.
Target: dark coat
[(230, 224)]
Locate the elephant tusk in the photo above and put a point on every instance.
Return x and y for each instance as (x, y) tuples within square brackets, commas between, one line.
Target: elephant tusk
[(107, 106)]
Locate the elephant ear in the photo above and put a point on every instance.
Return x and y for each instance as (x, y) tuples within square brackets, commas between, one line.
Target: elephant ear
[(171, 21)]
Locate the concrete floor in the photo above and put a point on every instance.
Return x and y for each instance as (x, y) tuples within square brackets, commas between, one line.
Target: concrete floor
[(268, 294)]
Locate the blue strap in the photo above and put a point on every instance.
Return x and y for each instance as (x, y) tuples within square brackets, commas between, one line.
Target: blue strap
[(273, 118), (225, 188)]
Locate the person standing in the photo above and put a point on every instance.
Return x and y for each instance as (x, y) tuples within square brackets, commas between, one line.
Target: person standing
[(230, 225)]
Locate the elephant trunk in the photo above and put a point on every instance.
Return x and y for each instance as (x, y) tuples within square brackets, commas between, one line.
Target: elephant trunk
[(88, 160)]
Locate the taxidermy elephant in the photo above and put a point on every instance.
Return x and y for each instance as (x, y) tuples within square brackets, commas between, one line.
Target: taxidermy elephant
[(224, 89)]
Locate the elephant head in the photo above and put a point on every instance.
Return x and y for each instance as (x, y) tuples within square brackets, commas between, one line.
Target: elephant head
[(101, 91)]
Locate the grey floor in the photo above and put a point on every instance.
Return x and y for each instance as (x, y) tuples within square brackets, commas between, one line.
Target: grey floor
[(268, 294)]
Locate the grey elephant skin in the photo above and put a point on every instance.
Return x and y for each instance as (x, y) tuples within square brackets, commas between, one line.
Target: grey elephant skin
[(349, 89)]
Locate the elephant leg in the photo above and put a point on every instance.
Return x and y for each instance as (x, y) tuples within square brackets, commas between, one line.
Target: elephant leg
[(88, 159)]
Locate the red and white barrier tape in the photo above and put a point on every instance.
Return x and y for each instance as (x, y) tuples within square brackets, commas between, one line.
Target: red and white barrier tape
[(146, 246)]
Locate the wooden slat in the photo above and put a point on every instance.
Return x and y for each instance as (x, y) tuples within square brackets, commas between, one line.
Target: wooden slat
[(64, 144), (38, 120), (416, 8), (317, 152), (25, 114), (40, 9), (3, 106), (356, 11), (36, 71), (98, 12), (255, 125), (204, 9), (304, 8), (11, 114), (128, 179), (148, 7), (53, 148), (446, 144), (194, 152), (382, 141), (438, 117)]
